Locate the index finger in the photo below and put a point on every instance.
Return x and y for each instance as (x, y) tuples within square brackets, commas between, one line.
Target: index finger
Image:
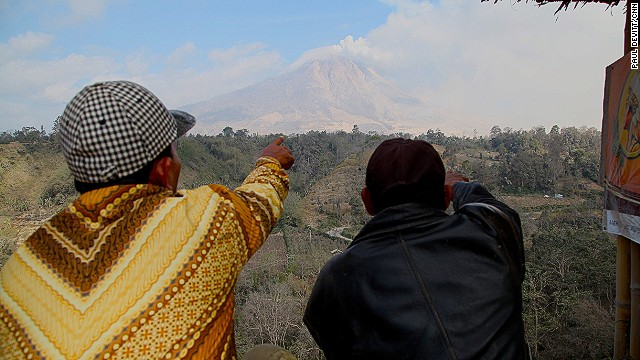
[(278, 140)]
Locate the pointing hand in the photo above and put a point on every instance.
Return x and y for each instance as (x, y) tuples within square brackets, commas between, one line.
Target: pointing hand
[(281, 153)]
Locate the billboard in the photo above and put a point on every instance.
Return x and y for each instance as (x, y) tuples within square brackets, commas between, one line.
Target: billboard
[(620, 151)]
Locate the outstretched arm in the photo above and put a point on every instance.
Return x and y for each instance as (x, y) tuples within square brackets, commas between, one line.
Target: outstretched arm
[(263, 193), (505, 220)]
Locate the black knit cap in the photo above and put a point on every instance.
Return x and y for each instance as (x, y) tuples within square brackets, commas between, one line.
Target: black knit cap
[(405, 171)]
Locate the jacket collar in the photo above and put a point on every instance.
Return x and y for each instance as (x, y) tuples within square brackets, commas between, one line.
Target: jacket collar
[(396, 218)]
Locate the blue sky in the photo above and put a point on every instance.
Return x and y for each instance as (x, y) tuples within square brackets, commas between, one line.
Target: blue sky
[(513, 64), (292, 27)]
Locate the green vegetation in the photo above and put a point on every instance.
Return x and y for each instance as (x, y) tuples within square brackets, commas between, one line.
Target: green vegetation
[(569, 286)]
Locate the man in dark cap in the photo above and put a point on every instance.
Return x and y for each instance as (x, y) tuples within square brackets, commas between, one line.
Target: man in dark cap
[(416, 282), (135, 268)]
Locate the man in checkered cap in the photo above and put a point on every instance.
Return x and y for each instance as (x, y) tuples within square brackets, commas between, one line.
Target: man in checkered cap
[(416, 282), (135, 268)]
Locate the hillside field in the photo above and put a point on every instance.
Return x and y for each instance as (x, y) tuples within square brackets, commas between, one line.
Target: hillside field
[(548, 177)]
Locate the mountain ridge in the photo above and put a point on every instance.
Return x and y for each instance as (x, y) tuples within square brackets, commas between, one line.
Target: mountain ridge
[(331, 95)]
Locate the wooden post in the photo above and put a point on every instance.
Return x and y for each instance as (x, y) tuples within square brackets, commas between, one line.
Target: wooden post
[(634, 332)]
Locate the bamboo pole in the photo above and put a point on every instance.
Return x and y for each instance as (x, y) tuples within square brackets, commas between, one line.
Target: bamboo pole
[(634, 333), (623, 305)]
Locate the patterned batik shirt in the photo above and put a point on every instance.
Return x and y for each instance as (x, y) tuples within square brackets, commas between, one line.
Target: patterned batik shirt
[(138, 272)]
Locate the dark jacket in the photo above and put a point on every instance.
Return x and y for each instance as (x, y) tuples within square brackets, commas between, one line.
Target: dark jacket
[(417, 283)]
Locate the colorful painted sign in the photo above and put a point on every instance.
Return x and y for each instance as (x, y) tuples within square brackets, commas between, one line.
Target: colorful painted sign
[(620, 161)]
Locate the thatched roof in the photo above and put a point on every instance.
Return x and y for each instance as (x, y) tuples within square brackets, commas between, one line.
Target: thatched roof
[(564, 4)]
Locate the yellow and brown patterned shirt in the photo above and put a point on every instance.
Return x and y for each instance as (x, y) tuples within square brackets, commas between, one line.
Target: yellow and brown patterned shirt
[(138, 272)]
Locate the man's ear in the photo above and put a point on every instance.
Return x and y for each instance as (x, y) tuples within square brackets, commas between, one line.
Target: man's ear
[(366, 200), (448, 195), (159, 174)]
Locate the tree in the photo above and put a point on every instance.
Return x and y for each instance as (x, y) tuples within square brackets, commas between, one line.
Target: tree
[(227, 131), (242, 133)]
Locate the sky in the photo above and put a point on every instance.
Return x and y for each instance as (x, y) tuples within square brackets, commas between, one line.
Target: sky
[(513, 64)]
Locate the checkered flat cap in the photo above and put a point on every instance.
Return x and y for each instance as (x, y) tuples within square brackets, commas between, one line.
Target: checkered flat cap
[(112, 129)]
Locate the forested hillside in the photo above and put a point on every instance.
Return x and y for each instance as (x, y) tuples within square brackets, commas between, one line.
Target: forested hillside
[(550, 177)]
